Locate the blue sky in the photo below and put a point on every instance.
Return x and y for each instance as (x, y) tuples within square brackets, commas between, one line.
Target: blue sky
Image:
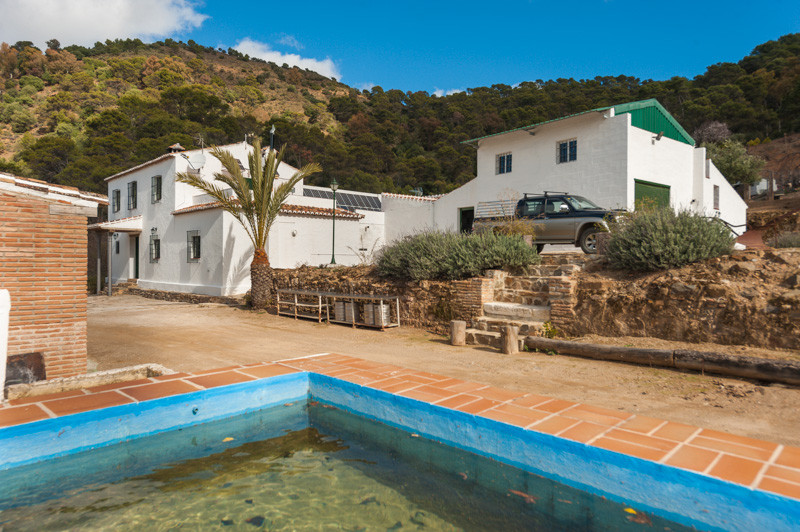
[(444, 46)]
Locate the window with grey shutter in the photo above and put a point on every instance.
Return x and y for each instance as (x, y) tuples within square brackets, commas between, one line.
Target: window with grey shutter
[(131, 195), (192, 246), (155, 189), (716, 197), (155, 248)]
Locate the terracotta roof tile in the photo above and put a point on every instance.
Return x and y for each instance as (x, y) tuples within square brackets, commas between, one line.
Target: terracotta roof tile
[(298, 210)]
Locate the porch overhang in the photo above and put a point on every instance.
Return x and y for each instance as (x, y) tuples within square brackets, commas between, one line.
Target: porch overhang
[(131, 225)]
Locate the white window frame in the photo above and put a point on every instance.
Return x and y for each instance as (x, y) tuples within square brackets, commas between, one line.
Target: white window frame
[(572, 155), (193, 246), (503, 163)]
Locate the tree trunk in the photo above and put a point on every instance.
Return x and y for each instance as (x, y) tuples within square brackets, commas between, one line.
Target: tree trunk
[(260, 280)]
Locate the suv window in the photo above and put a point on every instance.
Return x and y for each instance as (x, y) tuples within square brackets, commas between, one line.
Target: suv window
[(533, 207), (554, 205)]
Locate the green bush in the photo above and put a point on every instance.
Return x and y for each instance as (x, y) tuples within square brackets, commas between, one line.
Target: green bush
[(438, 255), (659, 238), (786, 240)]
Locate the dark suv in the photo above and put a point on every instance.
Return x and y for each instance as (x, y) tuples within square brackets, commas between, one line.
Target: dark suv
[(555, 217)]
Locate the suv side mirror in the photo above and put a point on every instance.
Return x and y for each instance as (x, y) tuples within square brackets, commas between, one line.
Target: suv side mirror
[(564, 208)]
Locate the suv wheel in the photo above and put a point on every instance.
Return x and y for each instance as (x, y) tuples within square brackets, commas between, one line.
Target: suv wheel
[(588, 240)]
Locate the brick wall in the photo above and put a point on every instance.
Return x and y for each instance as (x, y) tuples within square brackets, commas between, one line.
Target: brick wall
[(563, 299), (43, 266)]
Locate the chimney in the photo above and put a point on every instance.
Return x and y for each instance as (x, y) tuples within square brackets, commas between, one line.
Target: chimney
[(175, 148)]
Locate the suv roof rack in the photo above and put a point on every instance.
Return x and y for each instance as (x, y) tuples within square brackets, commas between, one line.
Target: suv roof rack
[(545, 194)]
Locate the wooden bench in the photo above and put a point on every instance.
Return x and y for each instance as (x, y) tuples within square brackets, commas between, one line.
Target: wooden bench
[(377, 311)]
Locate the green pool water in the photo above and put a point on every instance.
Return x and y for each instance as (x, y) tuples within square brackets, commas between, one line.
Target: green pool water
[(296, 467)]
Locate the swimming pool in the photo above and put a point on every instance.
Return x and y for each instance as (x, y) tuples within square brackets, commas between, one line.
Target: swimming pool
[(683, 496)]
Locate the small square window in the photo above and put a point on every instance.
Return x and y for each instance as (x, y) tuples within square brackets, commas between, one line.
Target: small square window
[(192, 246), (155, 189), (115, 200), (155, 248), (132, 195), (567, 151), (502, 163)]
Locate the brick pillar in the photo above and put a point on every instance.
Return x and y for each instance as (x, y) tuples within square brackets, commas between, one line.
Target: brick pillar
[(562, 301)]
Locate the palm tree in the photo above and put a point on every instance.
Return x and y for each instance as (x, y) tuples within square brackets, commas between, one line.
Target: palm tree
[(255, 202)]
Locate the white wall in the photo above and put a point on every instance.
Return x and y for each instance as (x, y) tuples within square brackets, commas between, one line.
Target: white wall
[(405, 216), (732, 208), (666, 162)]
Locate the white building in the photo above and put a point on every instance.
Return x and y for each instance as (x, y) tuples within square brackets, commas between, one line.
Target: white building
[(170, 236), (614, 156)]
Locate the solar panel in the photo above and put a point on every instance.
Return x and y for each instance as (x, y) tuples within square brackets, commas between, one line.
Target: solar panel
[(347, 200)]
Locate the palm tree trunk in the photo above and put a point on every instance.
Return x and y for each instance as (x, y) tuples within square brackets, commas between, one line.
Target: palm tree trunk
[(260, 280)]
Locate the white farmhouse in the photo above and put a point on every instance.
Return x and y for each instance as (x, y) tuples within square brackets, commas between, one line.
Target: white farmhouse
[(170, 236), (613, 156)]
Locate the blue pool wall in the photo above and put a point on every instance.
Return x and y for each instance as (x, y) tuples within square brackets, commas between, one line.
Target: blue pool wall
[(683, 496), (51, 438), (689, 498)]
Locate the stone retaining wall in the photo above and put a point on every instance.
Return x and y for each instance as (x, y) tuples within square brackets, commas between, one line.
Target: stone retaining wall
[(428, 305)]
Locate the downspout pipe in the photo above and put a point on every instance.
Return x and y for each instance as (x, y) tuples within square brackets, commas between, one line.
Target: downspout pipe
[(5, 310)]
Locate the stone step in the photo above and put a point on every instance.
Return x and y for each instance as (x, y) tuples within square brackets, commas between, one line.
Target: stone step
[(484, 323), (516, 311), (490, 338), (524, 297)]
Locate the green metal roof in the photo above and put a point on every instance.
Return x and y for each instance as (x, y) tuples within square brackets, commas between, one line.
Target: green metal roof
[(646, 114), (651, 116)]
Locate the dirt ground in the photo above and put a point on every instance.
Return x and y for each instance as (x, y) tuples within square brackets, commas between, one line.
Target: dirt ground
[(128, 330)]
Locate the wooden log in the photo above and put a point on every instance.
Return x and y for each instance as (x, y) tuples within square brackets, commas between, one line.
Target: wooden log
[(458, 332), (509, 340), (650, 357), (785, 371)]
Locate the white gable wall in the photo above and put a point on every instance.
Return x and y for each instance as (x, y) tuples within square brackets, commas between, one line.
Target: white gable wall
[(666, 162)]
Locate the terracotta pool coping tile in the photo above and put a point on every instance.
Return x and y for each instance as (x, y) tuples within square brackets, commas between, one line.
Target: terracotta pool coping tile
[(220, 379), (466, 387), (789, 489), (217, 370), (531, 400), (17, 415), (82, 403), (554, 425), (506, 417), (117, 385), (457, 400), (790, 457), (693, 458), (675, 431), (433, 376), (356, 379), (588, 415), (171, 376), (642, 424), (740, 440), (736, 469), (338, 372), (417, 378), (744, 451), (371, 375), (434, 390), (417, 393), (478, 406), (40, 398), (157, 390), (498, 394), (783, 473), (642, 439), (555, 405), (623, 447), (272, 370), (583, 432), (401, 386)]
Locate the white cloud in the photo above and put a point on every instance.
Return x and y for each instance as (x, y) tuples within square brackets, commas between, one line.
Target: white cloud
[(442, 92), (85, 22), (326, 67), (366, 86), (291, 41)]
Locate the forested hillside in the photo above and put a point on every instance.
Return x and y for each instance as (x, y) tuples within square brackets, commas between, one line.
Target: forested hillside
[(76, 115)]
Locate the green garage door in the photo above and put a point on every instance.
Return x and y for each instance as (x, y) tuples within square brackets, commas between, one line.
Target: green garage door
[(651, 193)]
